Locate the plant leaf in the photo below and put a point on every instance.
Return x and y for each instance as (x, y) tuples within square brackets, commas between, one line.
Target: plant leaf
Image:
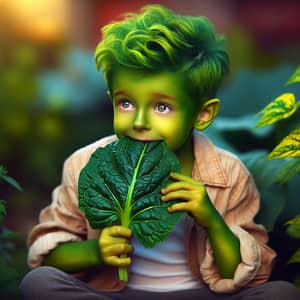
[(9, 179), (295, 77), (294, 221), (9, 235), (289, 170), (2, 210), (12, 182), (280, 108), (2, 171), (296, 282), (261, 169), (121, 185), (293, 228), (293, 231), (295, 257), (288, 147)]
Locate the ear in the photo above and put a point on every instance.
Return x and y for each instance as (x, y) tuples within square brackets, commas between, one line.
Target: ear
[(207, 113)]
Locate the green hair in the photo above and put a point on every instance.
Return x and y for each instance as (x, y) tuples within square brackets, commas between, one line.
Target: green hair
[(158, 39)]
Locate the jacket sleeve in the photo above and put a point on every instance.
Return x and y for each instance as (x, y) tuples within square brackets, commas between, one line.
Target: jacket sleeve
[(238, 206), (61, 221)]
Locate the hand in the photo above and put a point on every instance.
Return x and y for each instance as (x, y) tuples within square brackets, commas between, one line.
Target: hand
[(194, 196), (114, 246)]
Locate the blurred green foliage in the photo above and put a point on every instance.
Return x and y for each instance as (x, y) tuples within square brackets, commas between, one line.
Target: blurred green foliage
[(46, 114), (47, 111), (235, 130), (283, 107), (9, 275)]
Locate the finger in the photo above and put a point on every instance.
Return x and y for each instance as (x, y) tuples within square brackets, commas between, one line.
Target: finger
[(118, 261), (181, 177), (113, 235), (179, 185), (116, 250), (182, 195), (178, 207), (107, 240), (119, 231)]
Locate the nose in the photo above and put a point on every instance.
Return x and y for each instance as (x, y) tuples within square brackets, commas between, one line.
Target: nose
[(141, 121)]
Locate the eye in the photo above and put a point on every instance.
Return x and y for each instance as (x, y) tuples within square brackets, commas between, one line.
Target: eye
[(162, 108), (125, 105)]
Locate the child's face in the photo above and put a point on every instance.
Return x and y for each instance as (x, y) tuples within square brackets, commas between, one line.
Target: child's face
[(152, 106)]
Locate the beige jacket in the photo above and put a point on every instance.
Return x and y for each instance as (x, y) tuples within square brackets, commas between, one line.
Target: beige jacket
[(230, 188)]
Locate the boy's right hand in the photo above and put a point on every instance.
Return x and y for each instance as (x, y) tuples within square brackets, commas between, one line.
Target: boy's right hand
[(113, 242)]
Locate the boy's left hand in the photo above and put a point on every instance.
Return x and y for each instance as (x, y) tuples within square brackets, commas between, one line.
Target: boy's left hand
[(194, 196)]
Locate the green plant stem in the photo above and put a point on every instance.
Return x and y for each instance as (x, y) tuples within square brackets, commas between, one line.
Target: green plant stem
[(123, 274), (125, 219)]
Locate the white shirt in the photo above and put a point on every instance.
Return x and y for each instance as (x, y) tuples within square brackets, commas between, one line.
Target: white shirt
[(164, 267)]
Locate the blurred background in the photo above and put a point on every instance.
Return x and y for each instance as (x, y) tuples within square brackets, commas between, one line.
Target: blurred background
[(53, 101)]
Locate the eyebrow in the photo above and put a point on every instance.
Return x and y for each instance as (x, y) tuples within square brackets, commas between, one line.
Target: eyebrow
[(120, 92), (155, 95), (163, 96)]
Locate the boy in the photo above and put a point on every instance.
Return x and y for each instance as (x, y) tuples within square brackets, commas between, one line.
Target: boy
[(162, 72)]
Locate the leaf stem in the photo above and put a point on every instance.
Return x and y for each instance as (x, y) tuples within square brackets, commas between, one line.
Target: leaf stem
[(123, 274), (125, 218)]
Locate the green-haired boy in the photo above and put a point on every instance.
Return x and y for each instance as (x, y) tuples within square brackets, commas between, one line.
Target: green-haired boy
[(162, 72)]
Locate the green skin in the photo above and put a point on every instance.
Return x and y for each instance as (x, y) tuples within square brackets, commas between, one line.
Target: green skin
[(156, 106)]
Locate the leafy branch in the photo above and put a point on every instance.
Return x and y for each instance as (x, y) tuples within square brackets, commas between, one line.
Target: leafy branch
[(283, 107)]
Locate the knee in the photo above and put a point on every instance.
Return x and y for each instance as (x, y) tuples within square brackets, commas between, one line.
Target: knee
[(38, 281)]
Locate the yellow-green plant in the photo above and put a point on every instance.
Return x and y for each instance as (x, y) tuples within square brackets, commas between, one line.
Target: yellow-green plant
[(283, 107)]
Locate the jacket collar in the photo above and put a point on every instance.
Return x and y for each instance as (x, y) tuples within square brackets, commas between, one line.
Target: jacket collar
[(207, 167)]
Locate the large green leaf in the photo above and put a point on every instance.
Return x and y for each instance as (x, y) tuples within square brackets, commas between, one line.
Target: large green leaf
[(273, 196), (289, 170), (295, 77), (261, 169), (121, 185), (238, 124), (288, 147), (280, 108)]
